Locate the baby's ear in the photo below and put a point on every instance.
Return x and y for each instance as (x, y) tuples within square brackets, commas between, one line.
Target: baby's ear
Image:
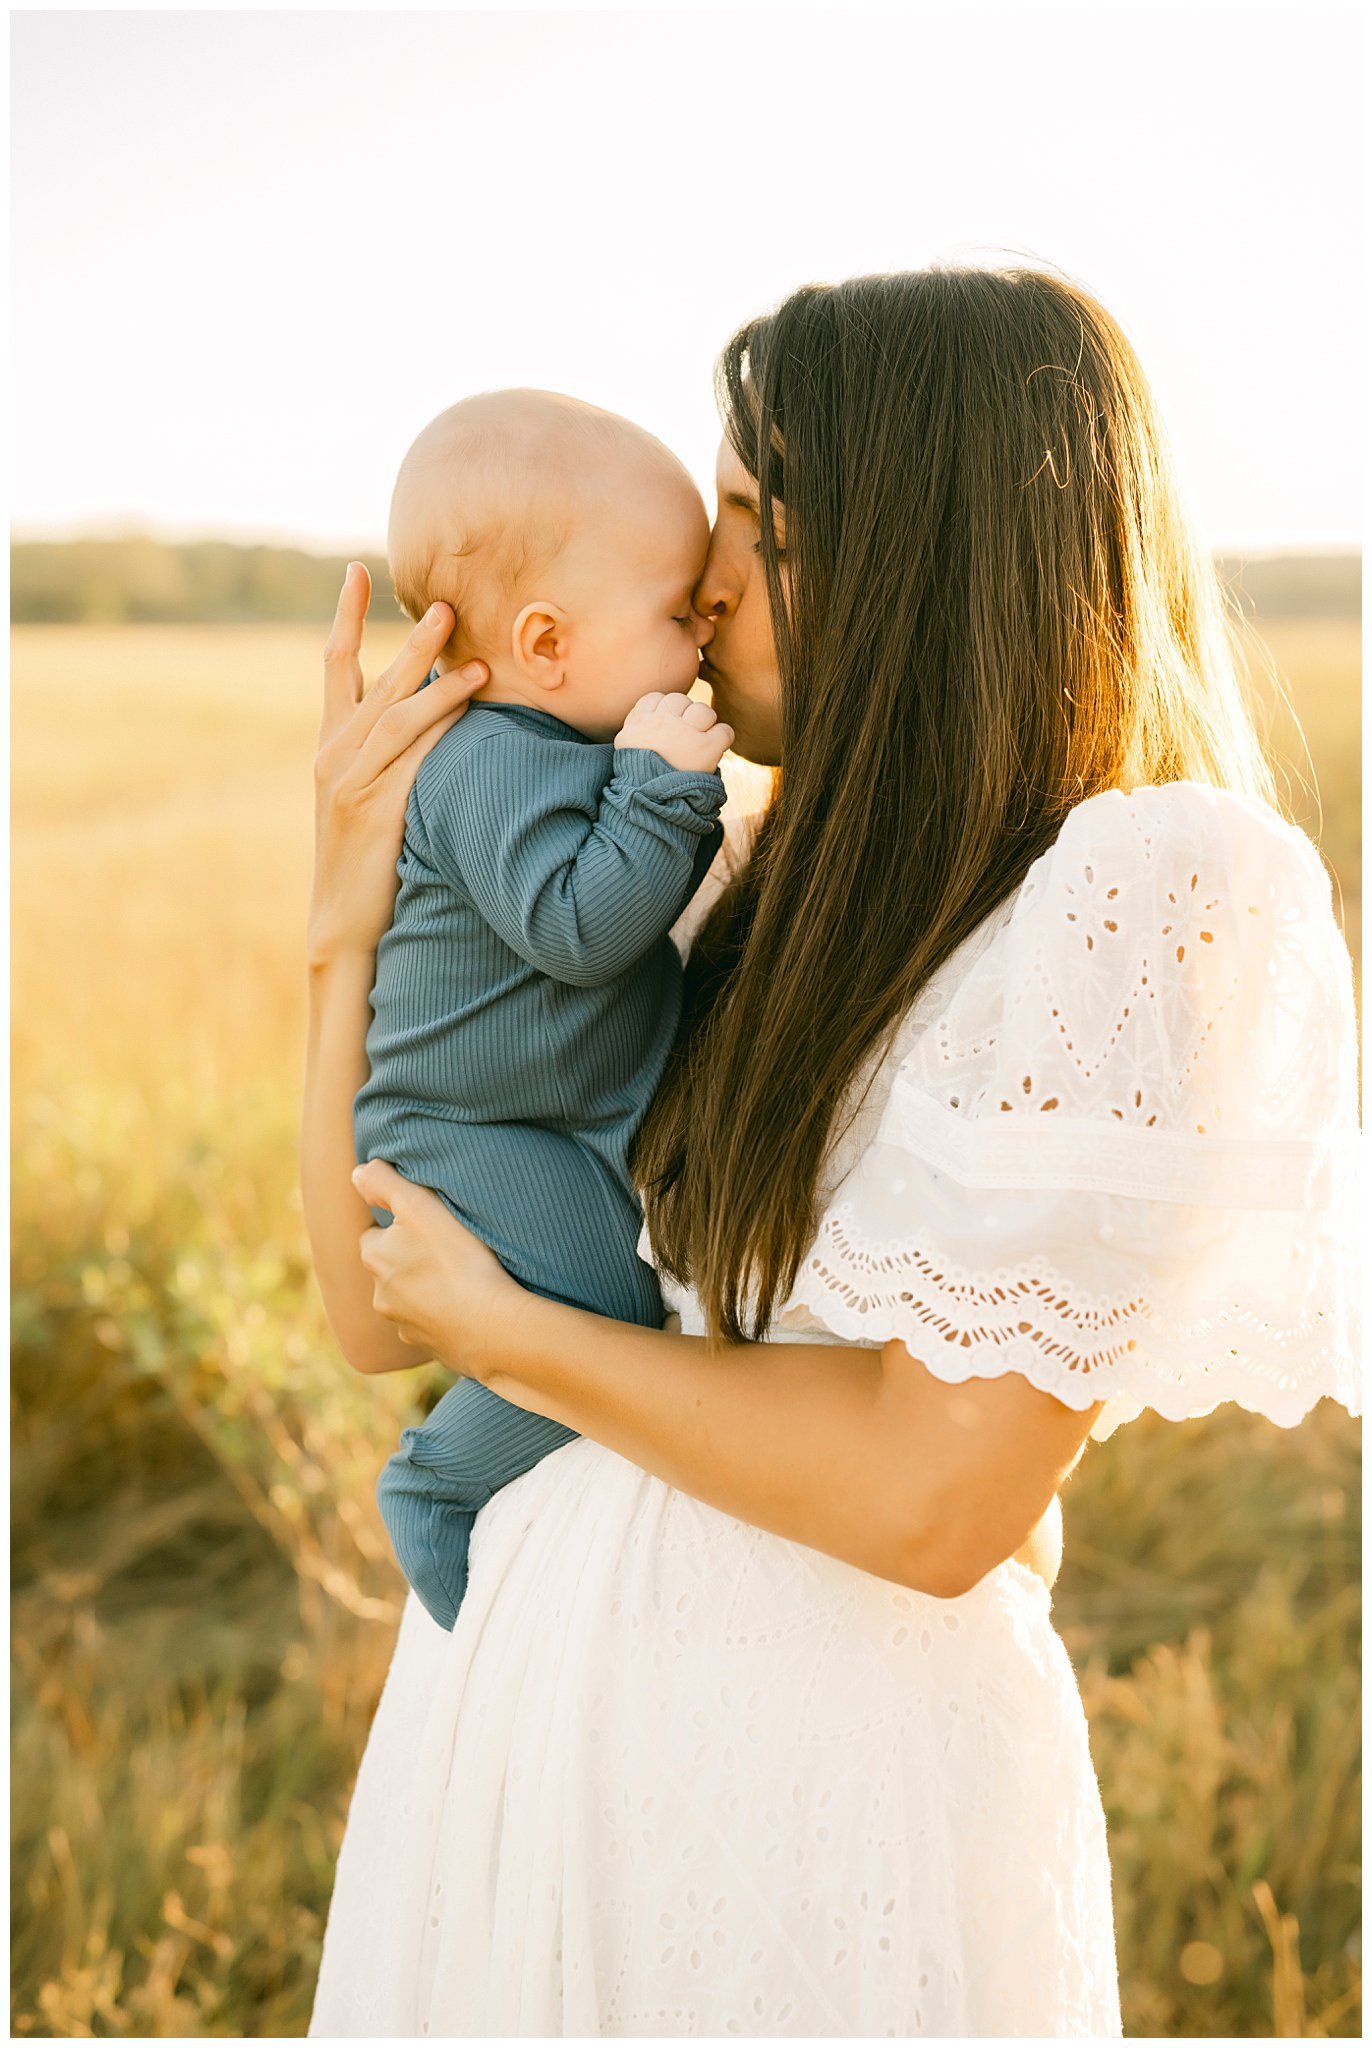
[(538, 642)]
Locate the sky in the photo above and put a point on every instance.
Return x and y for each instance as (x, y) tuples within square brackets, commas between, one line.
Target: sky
[(254, 252)]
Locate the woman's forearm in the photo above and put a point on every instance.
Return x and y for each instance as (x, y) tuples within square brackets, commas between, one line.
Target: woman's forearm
[(794, 1438), (858, 1452), (335, 1214)]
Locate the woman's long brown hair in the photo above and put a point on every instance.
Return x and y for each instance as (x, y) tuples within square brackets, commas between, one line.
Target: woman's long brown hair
[(991, 608)]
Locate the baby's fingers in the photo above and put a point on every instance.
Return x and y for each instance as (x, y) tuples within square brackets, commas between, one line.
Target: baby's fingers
[(700, 715)]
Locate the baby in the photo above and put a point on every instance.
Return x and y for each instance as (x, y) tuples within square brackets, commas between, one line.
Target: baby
[(527, 992)]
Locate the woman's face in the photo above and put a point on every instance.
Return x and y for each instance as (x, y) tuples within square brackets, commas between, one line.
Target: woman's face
[(741, 666)]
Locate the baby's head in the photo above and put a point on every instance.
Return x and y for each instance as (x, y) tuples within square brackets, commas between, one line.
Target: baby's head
[(568, 542)]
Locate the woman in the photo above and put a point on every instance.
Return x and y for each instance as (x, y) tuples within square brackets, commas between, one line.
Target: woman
[(1014, 1092)]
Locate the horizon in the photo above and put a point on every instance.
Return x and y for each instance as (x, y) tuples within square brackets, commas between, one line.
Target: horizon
[(323, 547)]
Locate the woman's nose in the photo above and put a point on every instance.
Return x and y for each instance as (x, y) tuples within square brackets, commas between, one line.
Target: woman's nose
[(710, 597), (705, 629)]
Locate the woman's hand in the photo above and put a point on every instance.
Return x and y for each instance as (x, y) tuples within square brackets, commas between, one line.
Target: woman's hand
[(443, 1288), (369, 749)]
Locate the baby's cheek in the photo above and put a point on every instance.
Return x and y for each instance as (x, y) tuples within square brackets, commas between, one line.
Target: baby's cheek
[(686, 666)]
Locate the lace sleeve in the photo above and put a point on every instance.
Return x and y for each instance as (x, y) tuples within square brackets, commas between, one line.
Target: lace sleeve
[(1124, 1159)]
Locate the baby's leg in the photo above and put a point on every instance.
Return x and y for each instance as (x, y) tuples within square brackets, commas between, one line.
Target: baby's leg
[(444, 1472), (556, 1218), (565, 1229)]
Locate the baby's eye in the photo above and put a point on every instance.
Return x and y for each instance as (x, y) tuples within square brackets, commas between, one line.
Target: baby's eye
[(682, 622)]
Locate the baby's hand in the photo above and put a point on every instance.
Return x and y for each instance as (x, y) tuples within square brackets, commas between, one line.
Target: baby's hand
[(683, 730)]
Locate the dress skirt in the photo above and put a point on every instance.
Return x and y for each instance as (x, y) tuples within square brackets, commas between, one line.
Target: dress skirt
[(674, 1775)]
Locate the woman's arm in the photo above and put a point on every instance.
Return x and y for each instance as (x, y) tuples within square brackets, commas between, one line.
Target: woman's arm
[(335, 1214), (369, 749), (860, 1453)]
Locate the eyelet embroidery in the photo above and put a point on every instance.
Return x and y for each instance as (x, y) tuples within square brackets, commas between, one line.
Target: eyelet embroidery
[(1168, 976)]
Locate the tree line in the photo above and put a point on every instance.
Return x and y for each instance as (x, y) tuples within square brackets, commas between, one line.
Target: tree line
[(138, 580)]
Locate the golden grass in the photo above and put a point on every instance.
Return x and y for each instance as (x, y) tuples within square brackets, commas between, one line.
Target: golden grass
[(1314, 733), (204, 1599)]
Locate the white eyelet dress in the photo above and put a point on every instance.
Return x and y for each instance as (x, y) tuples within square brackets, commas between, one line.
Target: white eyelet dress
[(674, 1775)]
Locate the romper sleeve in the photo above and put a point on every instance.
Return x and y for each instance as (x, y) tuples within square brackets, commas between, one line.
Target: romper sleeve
[(1124, 1158), (579, 882)]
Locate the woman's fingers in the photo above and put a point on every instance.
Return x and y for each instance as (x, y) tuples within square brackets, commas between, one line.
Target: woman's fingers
[(362, 735), (404, 676), (419, 719), (409, 761), (343, 648), (379, 1184)]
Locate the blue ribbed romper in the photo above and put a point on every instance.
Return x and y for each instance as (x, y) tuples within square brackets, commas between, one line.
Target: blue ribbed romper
[(525, 1002)]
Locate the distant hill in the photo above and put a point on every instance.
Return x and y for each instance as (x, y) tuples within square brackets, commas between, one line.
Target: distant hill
[(142, 581), (139, 580), (1295, 586)]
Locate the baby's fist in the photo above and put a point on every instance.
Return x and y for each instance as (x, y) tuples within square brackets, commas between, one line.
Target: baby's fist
[(684, 731)]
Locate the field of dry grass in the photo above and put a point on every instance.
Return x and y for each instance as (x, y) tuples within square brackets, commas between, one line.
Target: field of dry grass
[(204, 1601)]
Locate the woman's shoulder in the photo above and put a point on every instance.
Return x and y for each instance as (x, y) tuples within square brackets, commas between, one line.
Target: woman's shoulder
[(1182, 802), (1153, 830), (1175, 946), (1183, 862), (1205, 901)]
